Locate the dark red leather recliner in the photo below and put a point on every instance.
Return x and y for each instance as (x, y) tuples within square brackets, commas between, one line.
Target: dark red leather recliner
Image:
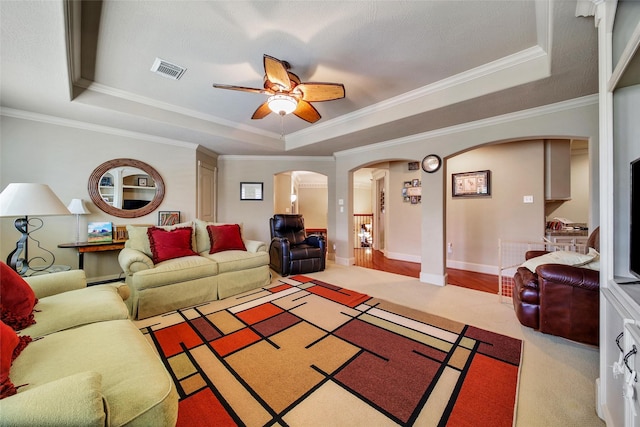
[(560, 299), (293, 252)]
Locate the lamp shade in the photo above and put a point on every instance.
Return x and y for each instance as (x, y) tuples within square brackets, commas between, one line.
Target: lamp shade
[(282, 104), (28, 199), (76, 206)]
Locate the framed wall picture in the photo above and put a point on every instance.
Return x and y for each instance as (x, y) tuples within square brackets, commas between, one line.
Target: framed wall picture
[(168, 217), (251, 191), (471, 184), (142, 182)]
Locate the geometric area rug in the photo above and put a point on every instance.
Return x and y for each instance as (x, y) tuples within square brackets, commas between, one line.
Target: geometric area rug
[(302, 352)]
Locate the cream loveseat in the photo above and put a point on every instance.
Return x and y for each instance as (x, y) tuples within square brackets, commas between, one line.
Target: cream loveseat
[(192, 279), (87, 363)]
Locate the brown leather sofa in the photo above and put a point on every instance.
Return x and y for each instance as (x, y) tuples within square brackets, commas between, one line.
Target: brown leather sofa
[(560, 300), (293, 252)]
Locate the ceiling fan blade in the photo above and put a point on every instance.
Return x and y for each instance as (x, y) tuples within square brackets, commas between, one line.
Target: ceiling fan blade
[(241, 88), (262, 111), (307, 112), (276, 72), (313, 92)]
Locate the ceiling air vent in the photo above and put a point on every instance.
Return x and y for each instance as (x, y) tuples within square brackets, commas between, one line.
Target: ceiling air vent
[(167, 69)]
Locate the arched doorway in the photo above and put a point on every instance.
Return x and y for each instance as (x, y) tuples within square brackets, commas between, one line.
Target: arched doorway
[(305, 193)]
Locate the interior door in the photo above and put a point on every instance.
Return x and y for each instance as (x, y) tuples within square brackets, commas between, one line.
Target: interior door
[(207, 175)]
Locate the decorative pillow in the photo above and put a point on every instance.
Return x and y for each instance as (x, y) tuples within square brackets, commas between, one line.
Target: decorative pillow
[(139, 238), (169, 244), (203, 240), (10, 347), (563, 257), (225, 238), (593, 265), (16, 299)]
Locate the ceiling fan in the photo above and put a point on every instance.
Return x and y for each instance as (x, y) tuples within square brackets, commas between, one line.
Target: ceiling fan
[(287, 94)]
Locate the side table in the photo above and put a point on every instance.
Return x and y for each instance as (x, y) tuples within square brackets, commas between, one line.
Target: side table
[(83, 247)]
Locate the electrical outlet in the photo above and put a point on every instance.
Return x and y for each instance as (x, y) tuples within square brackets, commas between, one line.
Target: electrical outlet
[(527, 199), (450, 248)]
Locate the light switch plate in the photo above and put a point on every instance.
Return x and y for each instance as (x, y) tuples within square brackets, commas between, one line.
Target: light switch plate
[(527, 199)]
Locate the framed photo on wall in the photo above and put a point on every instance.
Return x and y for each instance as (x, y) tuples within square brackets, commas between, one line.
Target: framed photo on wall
[(471, 184), (168, 217), (251, 191)]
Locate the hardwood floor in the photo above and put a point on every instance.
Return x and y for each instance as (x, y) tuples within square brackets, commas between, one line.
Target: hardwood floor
[(370, 258)]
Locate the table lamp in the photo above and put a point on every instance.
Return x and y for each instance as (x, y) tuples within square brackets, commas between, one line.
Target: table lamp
[(76, 207), (23, 200)]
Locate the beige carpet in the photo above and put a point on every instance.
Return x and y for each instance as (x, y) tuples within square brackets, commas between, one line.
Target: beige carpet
[(305, 352), (557, 382)]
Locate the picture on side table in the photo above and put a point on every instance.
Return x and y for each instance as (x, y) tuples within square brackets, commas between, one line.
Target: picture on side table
[(99, 232)]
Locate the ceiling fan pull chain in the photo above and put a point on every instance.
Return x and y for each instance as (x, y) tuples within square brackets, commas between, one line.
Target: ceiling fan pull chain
[(282, 127)]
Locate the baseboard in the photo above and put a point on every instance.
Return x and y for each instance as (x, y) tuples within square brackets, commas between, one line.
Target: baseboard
[(434, 279), (469, 266), (602, 409), (345, 261), (403, 257)]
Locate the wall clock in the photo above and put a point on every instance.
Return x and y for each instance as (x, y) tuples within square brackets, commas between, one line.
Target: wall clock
[(431, 163)]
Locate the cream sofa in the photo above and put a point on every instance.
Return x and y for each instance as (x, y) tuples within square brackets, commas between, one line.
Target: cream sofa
[(189, 280), (88, 365)]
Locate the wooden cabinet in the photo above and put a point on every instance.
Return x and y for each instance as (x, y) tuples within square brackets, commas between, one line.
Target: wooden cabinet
[(557, 169)]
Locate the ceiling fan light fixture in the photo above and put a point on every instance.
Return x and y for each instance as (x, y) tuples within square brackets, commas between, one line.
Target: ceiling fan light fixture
[(282, 104)]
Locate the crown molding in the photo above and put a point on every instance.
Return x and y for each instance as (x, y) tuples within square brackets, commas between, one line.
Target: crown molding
[(76, 124), (122, 94), (478, 124), (532, 62), (277, 158)]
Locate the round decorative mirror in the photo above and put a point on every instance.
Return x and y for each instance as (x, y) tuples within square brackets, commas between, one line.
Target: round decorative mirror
[(126, 188)]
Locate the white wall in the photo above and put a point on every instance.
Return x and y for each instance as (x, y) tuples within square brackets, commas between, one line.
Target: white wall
[(65, 154), (313, 205), (282, 193), (255, 214), (577, 119), (403, 235), (362, 199), (63, 157), (475, 224)]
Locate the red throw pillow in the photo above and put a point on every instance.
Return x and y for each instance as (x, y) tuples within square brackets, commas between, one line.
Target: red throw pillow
[(16, 299), (225, 237), (169, 244), (10, 347)]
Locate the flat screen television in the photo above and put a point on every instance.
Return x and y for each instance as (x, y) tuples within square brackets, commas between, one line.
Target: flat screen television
[(129, 204), (634, 234)]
